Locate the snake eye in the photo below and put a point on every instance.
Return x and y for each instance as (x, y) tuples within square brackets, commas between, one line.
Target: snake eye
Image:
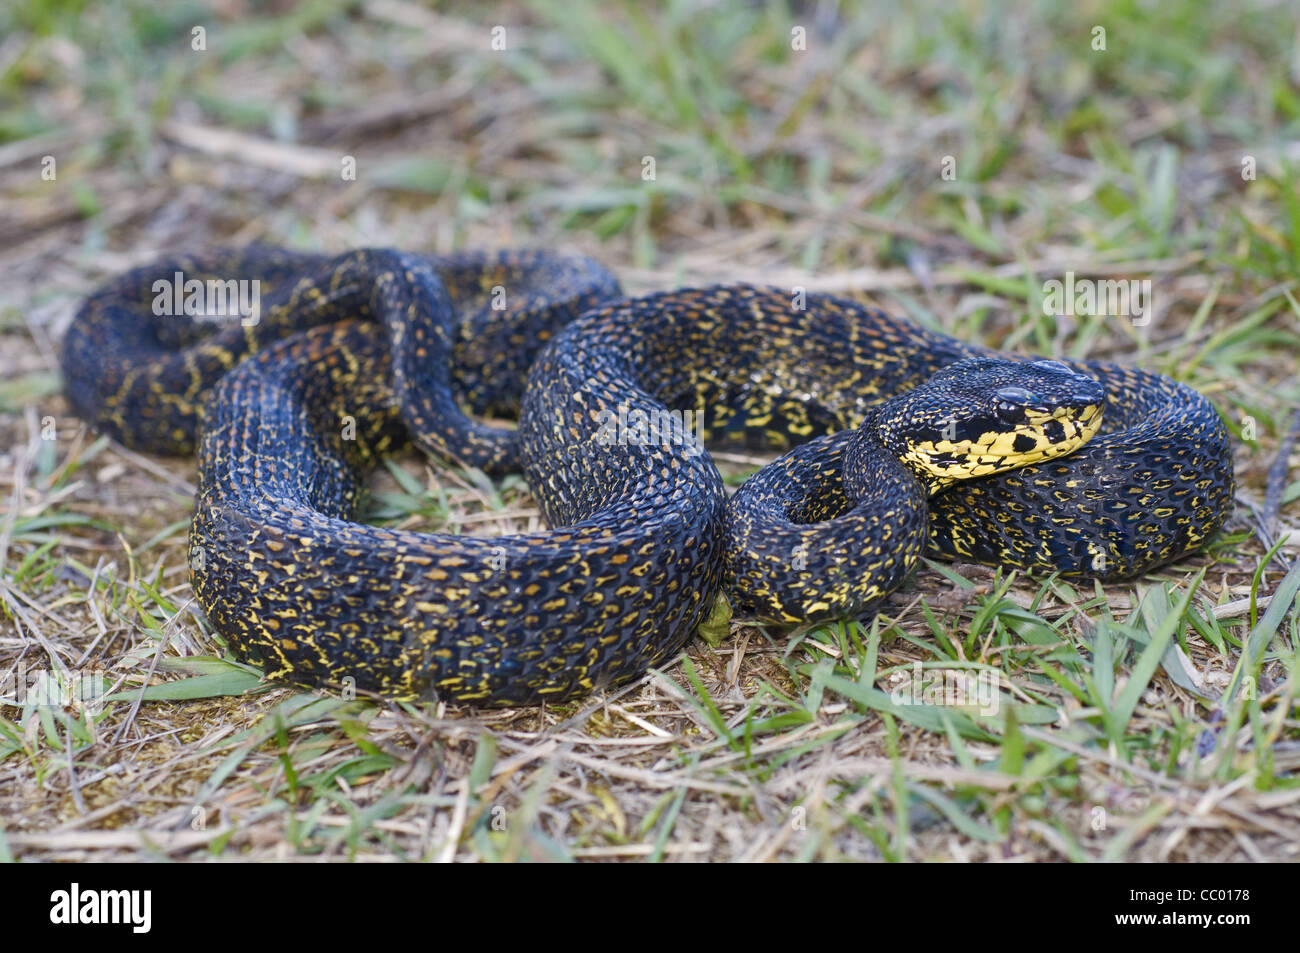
[(1012, 413), (1013, 395), (1011, 402)]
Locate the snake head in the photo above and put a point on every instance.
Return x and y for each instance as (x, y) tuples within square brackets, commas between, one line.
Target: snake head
[(983, 415)]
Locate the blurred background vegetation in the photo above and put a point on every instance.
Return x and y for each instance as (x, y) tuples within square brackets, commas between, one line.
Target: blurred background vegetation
[(1128, 150)]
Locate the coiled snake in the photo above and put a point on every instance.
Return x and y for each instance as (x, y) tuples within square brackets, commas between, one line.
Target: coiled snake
[(347, 355)]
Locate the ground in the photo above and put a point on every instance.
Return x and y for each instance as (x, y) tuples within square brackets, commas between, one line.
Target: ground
[(944, 163)]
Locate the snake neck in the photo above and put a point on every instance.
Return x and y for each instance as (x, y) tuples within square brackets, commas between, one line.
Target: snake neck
[(873, 470), (877, 456)]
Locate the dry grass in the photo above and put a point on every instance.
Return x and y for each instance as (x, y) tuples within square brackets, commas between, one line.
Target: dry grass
[(1122, 732)]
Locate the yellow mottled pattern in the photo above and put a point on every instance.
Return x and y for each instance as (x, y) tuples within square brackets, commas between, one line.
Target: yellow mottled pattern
[(355, 354)]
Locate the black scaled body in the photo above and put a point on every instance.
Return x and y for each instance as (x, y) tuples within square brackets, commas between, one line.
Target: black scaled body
[(351, 352)]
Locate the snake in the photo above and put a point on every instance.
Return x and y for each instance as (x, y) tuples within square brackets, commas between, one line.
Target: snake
[(892, 442)]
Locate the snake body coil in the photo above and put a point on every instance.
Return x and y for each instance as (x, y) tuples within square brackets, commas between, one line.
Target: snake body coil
[(349, 354)]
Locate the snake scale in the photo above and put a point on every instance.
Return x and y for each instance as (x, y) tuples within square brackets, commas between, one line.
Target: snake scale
[(896, 440)]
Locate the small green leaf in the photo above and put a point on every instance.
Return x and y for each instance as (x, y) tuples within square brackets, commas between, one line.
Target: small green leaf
[(716, 626)]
